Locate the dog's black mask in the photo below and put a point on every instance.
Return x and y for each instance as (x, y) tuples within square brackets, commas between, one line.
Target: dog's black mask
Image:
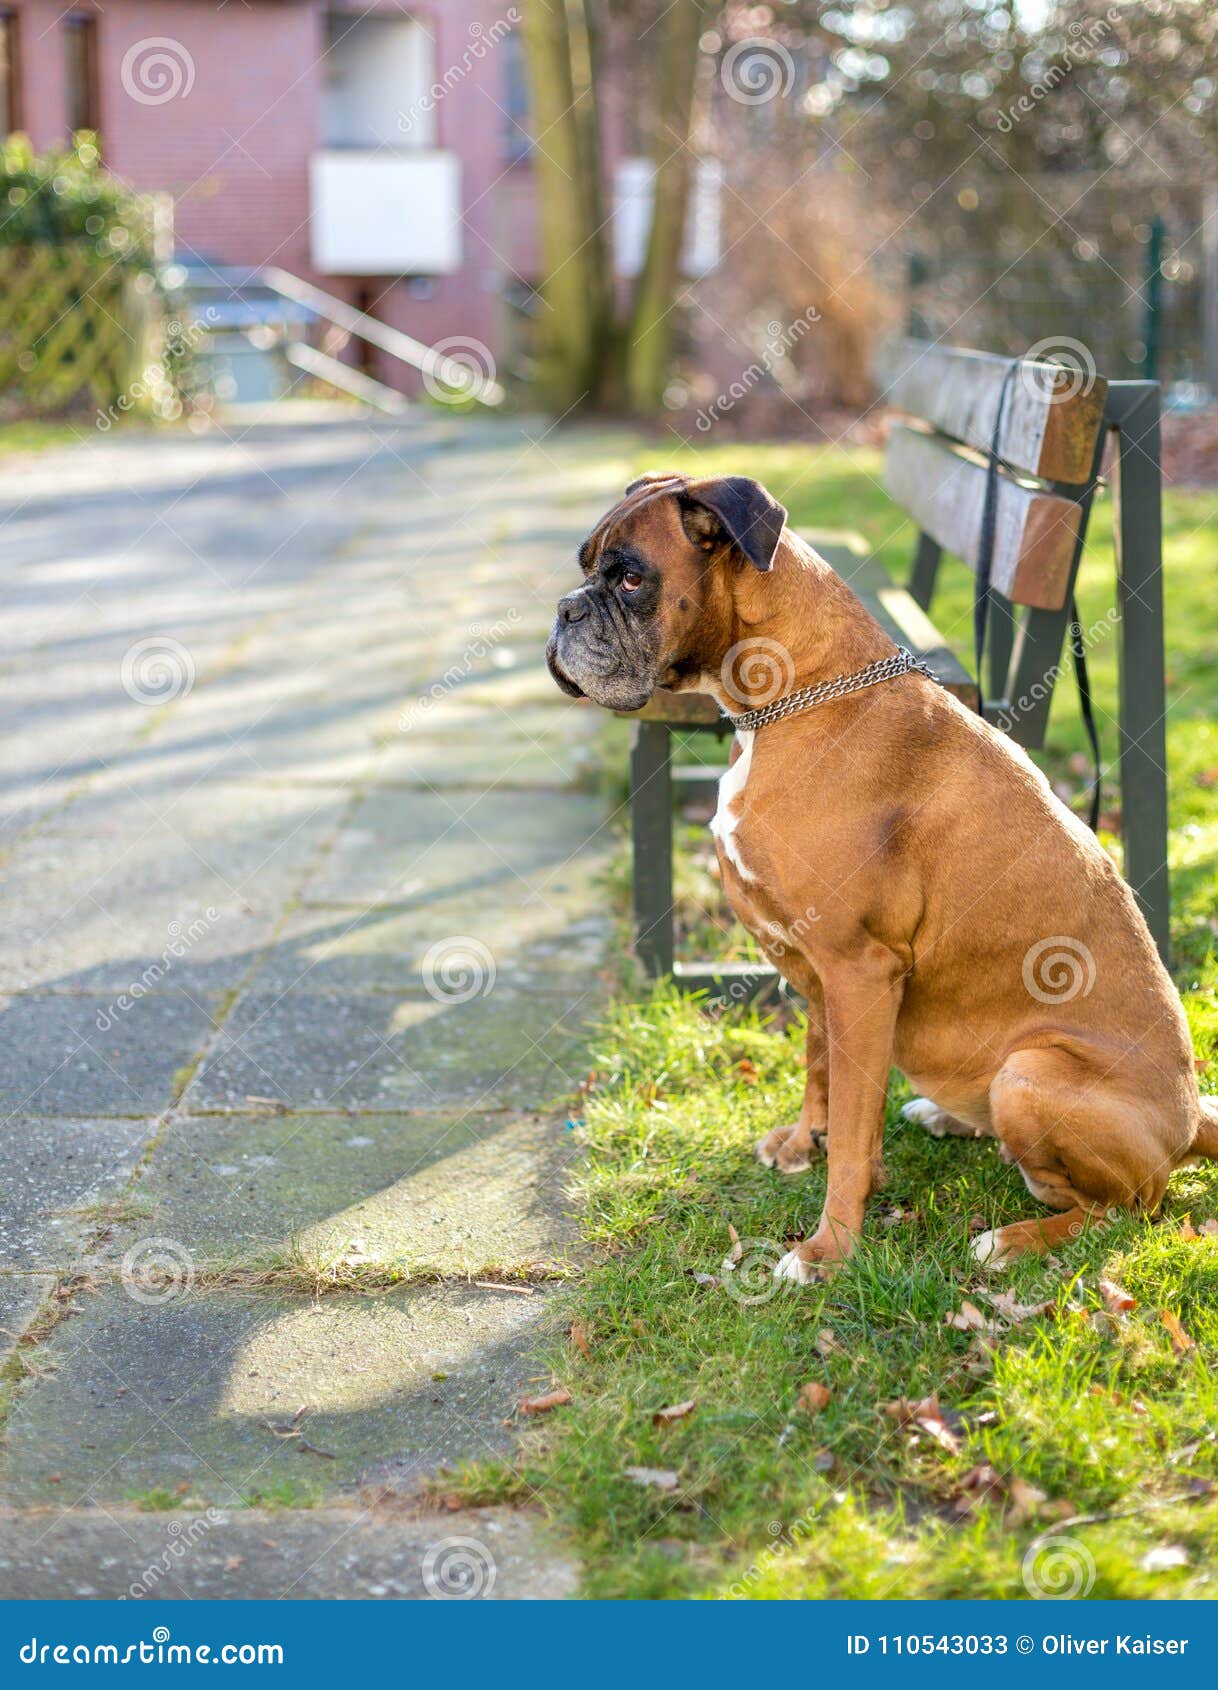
[(609, 635)]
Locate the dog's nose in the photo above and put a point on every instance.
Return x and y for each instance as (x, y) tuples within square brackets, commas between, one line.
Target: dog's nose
[(573, 608)]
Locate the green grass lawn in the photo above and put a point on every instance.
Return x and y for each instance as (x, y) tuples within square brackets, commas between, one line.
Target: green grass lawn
[(31, 435), (1066, 1447)]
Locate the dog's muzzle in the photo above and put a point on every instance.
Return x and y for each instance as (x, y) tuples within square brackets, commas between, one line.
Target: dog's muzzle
[(593, 654)]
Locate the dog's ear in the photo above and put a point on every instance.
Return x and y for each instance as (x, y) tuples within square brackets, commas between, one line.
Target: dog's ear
[(653, 478), (739, 507)]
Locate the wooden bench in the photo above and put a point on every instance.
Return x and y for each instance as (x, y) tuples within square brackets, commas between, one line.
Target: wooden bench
[(1055, 424)]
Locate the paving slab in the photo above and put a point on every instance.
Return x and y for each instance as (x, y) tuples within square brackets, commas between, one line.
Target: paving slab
[(402, 846), (379, 1050), (183, 891), (142, 1397), (416, 1193), (52, 1166), (57, 1059), (255, 1554), (552, 934), (533, 747)]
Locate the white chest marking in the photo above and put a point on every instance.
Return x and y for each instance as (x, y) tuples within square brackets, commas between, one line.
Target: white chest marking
[(726, 820)]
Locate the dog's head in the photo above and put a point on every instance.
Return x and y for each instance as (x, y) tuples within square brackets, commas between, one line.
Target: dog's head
[(661, 571)]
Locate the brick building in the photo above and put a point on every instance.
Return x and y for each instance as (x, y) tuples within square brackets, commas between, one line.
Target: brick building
[(375, 150)]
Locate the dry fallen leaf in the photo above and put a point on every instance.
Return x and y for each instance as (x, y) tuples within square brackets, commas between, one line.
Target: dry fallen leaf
[(542, 1405), (678, 1411), (1115, 1298), (1025, 1502), (814, 1397), (1005, 1304), (826, 1343), (928, 1417), (579, 1337), (1187, 1229), (979, 1484), (1181, 1343), (969, 1318), (737, 1249), (1209, 1229), (232, 1562), (748, 1071), (659, 1478)]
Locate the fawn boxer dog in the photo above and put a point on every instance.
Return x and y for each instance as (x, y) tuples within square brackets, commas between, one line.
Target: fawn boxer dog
[(903, 865)]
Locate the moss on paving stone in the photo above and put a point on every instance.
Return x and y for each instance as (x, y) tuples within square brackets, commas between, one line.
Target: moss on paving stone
[(181, 1395), (370, 1050), (417, 1193), (58, 1060)]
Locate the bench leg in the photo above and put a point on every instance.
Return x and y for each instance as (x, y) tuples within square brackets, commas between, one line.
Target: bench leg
[(651, 831), (1000, 643), (925, 570), (1139, 548)]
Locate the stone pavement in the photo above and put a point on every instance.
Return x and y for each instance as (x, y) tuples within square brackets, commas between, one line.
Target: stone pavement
[(301, 855)]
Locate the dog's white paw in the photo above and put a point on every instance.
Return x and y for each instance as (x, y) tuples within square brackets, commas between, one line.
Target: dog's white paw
[(988, 1251), (925, 1112), (793, 1267)]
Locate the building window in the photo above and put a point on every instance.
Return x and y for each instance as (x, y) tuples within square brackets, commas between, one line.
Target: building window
[(517, 141), (378, 83), (80, 50), (10, 75)]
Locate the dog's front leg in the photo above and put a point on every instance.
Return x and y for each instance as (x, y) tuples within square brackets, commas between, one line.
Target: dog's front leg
[(862, 997)]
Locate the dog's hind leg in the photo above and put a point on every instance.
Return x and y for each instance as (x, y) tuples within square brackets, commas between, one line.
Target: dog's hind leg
[(1082, 1146)]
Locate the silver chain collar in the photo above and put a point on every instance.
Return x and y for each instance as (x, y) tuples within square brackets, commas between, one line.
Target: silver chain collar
[(885, 669)]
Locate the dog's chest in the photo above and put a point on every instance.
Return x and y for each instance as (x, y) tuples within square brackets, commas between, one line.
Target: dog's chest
[(725, 823)]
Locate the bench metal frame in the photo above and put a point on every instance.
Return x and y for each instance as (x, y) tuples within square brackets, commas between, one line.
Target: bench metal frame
[(1024, 660)]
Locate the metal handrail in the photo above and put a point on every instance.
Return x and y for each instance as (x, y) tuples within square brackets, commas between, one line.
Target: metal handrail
[(394, 341)]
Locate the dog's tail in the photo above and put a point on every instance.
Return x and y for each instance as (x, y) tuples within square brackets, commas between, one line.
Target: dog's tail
[(1206, 1141)]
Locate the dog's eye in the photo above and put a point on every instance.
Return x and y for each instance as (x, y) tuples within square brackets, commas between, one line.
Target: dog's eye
[(631, 580)]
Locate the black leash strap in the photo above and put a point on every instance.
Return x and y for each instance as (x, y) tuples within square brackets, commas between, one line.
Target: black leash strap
[(1078, 650), (981, 603), (989, 529)]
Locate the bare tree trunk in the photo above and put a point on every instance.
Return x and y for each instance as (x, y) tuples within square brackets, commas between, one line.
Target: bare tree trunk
[(649, 341), (575, 290)]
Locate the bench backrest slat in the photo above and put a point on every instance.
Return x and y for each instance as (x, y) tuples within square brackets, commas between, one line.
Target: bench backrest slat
[(1035, 533), (1051, 419)]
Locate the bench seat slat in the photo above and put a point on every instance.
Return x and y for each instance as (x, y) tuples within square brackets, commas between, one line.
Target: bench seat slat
[(1035, 533), (1051, 420)]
